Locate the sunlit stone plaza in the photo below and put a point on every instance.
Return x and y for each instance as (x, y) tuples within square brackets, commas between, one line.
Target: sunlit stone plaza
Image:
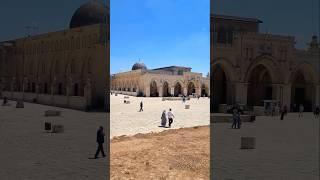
[(127, 120), (287, 149), (29, 152)]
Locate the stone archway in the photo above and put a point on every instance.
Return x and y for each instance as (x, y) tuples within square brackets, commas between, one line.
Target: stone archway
[(165, 90), (191, 88), (219, 82), (177, 89), (303, 90), (154, 89), (259, 86), (76, 89), (204, 90)]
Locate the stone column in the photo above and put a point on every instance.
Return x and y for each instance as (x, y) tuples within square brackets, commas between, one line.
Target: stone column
[(241, 92), (87, 93), (160, 88), (52, 86), (317, 95), (172, 91), (24, 83), (198, 91), (286, 95), (147, 91), (185, 91), (276, 92)]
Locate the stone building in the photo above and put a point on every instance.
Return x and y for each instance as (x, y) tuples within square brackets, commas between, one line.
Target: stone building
[(160, 82), (248, 67), (67, 68)]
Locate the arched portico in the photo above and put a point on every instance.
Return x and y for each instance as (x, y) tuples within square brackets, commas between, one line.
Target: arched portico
[(303, 87), (165, 89), (177, 89), (154, 89), (259, 86), (221, 83), (191, 88)]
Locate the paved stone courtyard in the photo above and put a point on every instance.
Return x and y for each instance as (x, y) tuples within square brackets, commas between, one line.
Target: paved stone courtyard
[(285, 150), (29, 153), (127, 120)]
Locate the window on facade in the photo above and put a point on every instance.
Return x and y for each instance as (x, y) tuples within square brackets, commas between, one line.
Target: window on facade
[(33, 87), (46, 88), (73, 67), (89, 66), (222, 35), (60, 89), (76, 89), (57, 69), (230, 35), (43, 68)]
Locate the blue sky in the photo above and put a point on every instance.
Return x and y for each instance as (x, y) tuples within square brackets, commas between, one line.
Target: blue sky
[(48, 15), (160, 33), (299, 18)]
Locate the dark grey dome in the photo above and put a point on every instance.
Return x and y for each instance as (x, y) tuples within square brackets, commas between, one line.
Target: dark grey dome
[(139, 66), (93, 12)]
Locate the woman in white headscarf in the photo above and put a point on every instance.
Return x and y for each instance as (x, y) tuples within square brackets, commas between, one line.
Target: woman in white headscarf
[(163, 118)]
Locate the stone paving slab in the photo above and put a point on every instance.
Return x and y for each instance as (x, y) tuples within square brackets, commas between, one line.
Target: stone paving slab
[(27, 152), (127, 120)]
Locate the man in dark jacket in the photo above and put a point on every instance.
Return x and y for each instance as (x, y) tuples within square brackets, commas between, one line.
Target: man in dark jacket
[(141, 106), (100, 141)]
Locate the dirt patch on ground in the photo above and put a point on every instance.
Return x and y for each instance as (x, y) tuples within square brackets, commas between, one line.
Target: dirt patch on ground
[(172, 154)]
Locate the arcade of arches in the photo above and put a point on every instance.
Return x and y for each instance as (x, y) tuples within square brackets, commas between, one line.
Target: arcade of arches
[(249, 67), (259, 85), (161, 82), (65, 68)]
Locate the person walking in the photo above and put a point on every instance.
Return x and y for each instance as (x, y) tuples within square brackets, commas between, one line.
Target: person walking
[(5, 101), (317, 112), (170, 117), (163, 119), (301, 109), (283, 112), (100, 141), (238, 118), (141, 106), (234, 119)]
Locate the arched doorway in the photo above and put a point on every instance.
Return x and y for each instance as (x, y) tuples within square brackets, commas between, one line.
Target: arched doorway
[(204, 90), (259, 86), (220, 88), (165, 90), (302, 92), (76, 89), (177, 89), (153, 89), (191, 88)]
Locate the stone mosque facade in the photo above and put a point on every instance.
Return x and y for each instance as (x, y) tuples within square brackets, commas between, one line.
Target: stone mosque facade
[(248, 67), (66, 68), (161, 82)]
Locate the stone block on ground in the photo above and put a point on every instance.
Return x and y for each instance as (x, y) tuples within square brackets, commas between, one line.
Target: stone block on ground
[(187, 106), (19, 104), (248, 142), (47, 126), (52, 113), (57, 128)]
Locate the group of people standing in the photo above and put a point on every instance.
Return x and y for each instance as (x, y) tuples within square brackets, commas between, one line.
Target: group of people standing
[(236, 119), (167, 116)]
